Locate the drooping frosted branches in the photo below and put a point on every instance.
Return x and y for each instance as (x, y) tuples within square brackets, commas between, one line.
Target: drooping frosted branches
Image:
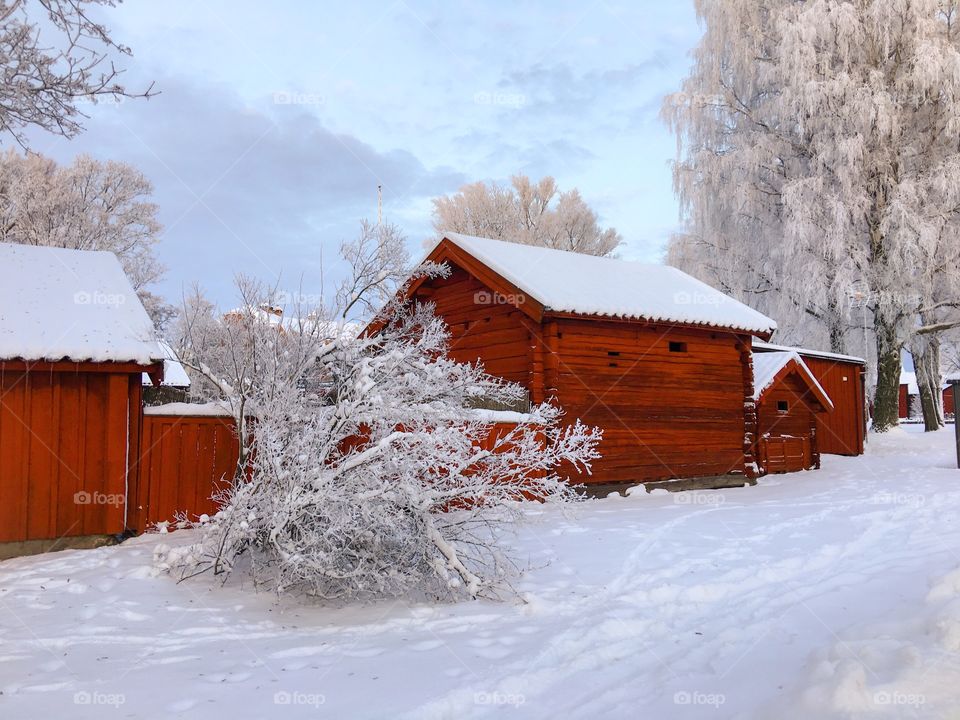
[(819, 169), (366, 469)]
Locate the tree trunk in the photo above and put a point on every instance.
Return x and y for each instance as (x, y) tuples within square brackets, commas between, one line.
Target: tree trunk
[(926, 363), (886, 399), (836, 328)]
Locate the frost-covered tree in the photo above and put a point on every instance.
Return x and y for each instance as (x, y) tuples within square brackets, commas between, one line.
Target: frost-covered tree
[(379, 263), (244, 357), (526, 212), (950, 354), (367, 473), (87, 205), (820, 163), (53, 58), (268, 340), (385, 483)]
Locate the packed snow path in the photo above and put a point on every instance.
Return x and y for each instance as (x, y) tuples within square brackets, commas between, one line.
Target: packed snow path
[(819, 594)]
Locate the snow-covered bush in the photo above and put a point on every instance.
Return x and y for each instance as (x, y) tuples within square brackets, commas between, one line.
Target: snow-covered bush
[(369, 472), (384, 483)]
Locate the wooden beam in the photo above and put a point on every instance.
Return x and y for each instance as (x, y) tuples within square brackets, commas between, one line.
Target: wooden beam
[(80, 367)]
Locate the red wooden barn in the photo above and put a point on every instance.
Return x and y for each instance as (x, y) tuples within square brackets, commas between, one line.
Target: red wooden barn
[(789, 403), (843, 378), (659, 360), (74, 340), (910, 395)]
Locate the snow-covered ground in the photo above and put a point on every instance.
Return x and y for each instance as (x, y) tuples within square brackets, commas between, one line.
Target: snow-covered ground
[(823, 594)]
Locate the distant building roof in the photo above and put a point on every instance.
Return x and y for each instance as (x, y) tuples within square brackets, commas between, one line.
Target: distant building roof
[(909, 378), (174, 374)]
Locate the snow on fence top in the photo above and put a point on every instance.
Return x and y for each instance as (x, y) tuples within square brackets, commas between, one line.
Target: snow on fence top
[(78, 305), (210, 409), (588, 285), (763, 346), (766, 365)]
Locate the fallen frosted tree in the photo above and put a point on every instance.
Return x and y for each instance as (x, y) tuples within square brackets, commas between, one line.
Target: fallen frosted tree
[(372, 474)]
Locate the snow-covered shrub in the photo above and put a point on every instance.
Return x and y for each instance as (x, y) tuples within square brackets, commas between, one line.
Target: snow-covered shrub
[(371, 476)]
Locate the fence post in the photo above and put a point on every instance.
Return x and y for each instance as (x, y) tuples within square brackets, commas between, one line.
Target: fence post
[(955, 385)]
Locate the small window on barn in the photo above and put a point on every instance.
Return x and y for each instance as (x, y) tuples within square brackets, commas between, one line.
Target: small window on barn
[(782, 406), (680, 347)]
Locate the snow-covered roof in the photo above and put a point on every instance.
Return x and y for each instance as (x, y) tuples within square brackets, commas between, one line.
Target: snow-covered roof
[(767, 365), (332, 329), (909, 378), (805, 352), (588, 285), (174, 374), (77, 305)]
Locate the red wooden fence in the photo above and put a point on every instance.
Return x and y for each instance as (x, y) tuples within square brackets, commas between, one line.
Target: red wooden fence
[(185, 460)]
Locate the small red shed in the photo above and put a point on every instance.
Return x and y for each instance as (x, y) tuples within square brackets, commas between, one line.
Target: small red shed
[(843, 378), (74, 340), (789, 402), (657, 359)]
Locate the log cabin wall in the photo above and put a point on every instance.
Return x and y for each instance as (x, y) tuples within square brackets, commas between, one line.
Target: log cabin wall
[(799, 416), (483, 325), (670, 400), (903, 402)]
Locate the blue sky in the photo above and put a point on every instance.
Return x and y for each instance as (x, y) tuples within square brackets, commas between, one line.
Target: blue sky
[(277, 121)]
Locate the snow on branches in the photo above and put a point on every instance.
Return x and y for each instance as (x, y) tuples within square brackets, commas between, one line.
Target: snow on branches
[(54, 57), (371, 471), (819, 171)]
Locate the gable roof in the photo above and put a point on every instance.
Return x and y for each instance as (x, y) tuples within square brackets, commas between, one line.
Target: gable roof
[(769, 367), (568, 282), (77, 305)]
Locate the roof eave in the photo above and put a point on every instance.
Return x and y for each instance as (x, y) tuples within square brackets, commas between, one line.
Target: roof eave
[(550, 312)]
